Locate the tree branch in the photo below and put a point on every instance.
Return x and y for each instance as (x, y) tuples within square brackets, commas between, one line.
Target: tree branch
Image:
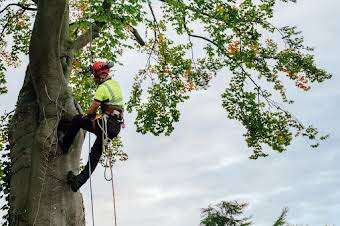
[(85, 38), (6, 115), (137, 36), (25, 7), (154, 19), (204, 38)]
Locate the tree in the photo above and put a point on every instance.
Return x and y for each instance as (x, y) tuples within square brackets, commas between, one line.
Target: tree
[(237, 35), (225, 213), (228, 213)]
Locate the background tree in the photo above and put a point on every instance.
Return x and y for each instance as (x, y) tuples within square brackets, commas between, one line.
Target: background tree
[(229, 214), (238, 36)]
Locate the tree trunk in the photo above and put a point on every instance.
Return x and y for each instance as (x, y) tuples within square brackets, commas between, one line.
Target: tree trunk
[(39, 194)]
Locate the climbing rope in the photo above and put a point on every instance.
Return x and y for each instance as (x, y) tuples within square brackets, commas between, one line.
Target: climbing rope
[(105, 140), (89, 157), (89, 160), (107, 145)]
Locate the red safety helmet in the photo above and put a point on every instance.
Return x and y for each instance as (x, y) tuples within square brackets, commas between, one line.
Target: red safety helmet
[(100, 67)]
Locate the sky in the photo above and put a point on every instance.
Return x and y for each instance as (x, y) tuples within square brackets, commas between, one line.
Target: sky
[(167, 180)]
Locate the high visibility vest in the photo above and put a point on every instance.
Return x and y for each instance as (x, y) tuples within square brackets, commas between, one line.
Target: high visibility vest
[(109, 94)]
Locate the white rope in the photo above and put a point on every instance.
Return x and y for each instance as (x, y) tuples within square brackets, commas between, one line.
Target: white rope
[(106, 142), (89, 160), (91, 193)]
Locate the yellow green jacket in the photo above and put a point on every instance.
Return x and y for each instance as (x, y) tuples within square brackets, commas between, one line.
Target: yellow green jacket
[(109, 93)]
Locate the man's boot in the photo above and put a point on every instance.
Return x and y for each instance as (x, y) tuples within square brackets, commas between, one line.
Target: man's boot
[(63, 148), (76, 182)]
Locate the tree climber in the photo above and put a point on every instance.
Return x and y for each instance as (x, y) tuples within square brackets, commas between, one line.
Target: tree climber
[(109, 98)]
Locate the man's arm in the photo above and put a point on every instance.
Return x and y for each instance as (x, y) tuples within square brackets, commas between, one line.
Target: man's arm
[(93, 108)]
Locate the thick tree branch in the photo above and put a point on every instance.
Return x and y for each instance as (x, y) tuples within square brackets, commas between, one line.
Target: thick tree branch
[(25, 7), (137, 36), (92, 32), (85, 38)]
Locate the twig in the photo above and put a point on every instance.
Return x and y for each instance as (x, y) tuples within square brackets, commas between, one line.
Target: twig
[(204, 38), (6, 115), (155, 35), (25, 7), (191, 44), (9, 20)]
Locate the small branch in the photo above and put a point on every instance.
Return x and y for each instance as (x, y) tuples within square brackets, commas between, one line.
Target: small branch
[(191, 47), (155, 34), (19, 5), (154, 19), (6, 115), (204, 38), (9, 20)]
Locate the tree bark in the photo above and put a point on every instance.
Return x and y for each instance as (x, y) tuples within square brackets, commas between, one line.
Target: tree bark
[(39, 193)]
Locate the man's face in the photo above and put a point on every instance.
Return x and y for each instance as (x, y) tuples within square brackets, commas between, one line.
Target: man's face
[(98, 79)]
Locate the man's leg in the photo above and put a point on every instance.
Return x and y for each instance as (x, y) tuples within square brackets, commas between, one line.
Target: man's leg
[(78, 121), (96, 151), (113, 127)]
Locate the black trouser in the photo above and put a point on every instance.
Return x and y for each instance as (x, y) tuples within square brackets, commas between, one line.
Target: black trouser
[(86, 123)]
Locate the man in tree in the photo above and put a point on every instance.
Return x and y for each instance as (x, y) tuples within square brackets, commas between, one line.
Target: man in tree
[(109, 97)]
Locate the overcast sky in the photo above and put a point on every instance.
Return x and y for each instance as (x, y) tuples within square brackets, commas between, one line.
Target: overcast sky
[(167, 180)]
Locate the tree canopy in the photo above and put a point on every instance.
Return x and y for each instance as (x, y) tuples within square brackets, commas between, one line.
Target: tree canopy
[(238, 36)]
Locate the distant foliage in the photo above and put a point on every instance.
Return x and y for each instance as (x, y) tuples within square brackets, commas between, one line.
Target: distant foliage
[(281, 221), (225, 214), (230, 214)]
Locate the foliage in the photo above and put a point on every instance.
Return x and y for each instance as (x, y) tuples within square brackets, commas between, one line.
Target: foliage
[(113, 152), (238, 36), (225, 213), (229, 214), (282, 218), (5, 165), (15, 25)]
